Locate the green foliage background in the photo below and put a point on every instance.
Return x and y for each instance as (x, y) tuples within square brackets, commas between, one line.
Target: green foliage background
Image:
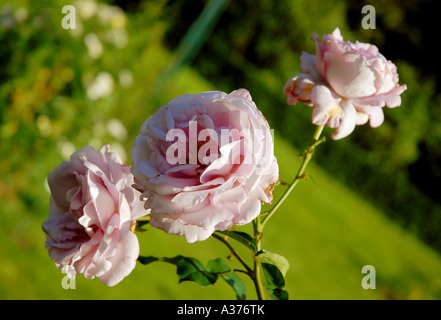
[(366, 204)]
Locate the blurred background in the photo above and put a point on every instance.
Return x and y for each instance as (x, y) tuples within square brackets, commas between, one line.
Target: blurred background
[(374, 197)]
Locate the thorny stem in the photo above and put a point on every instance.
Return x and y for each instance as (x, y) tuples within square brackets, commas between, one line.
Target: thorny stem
[(253, 274), (234, 252), (258, 233)]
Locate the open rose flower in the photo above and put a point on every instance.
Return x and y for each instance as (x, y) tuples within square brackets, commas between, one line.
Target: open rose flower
[(91, 211), (347, 84), (204, 162)]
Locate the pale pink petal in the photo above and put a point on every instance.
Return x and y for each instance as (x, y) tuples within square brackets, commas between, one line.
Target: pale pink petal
[(89, 154), (326, 105), (348, 122), (163, 204), (243, 93), (376, 115), (207, 217), (308, 66), (61, 180), (320, 65), (175, 225), (391, 99), (101, 199), (190, 199), (234, 196), (349, 76), (248, 211), (137, 155), (336, 34), (362, 118), (124, 260)]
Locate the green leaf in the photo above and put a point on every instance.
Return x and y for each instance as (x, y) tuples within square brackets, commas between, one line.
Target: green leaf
[(274, 281), (242, 237), (273, 276), (191, 269), (280, 294), (217, 266), (274, 268), (220, 267), (237, 284), (149, 259), (146, 260), (140, 224), (187, 269), (276, 259)]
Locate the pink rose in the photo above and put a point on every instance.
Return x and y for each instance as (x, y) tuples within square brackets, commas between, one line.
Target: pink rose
[(91, 211), (347, 84), (204, 162)]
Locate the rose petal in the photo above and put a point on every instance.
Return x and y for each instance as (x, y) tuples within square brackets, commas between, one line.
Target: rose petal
[(349, 76), (348, 121), (308, 66), (175, 225), (124, 261), (326, 105)]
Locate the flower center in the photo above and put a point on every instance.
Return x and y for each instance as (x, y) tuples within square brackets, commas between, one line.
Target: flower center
[(334, 111)]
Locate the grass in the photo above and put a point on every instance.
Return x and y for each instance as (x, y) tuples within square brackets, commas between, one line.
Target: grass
[(333, 233)]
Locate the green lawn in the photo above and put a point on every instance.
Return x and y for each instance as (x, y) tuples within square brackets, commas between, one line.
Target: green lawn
[(325, 230)]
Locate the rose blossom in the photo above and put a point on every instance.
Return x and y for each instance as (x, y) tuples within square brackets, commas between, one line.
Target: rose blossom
[(215, 185), (91, 211), (346, 83)]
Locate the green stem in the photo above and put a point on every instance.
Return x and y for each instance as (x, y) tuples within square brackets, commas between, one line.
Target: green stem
[(254, 274), (307, 155), (317, 133), (258, 229), (234, 252)]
